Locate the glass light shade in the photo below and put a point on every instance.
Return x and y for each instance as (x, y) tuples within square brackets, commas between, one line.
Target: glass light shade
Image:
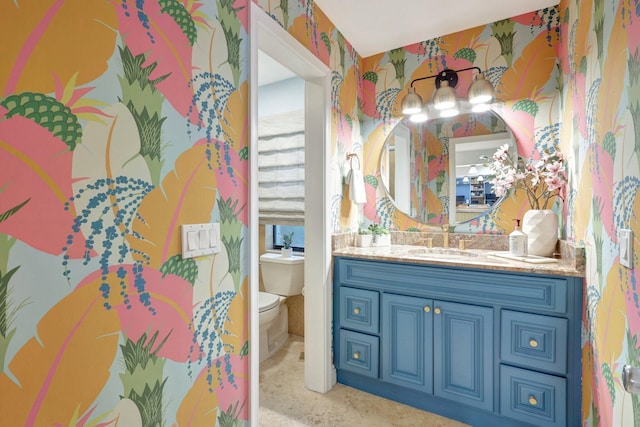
[(473, 170), (412, 103), (444, 97), (481, 90), (450, 112), (465, 179), (480, 108), (419, 117), (481, 178)]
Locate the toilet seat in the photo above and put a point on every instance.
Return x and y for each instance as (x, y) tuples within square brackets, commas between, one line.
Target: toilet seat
[(267, 301)]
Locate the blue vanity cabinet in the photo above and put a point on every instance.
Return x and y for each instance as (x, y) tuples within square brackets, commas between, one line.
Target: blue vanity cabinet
[(407, 339), (483, 347), (463, 353)]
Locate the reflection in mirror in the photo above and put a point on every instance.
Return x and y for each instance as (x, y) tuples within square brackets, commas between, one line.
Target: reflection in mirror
[(415, 165), (471, 193)]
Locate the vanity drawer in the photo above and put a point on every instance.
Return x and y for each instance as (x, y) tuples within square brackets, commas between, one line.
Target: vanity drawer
[(359, 309), (532, 397), (359, 353), (534, 341), (518, 291)]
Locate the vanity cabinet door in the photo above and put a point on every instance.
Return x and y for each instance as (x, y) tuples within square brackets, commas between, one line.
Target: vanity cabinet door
[(463, 353), (407, 336)]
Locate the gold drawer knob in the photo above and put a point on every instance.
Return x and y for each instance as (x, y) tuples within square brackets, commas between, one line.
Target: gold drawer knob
[(533, 343), (356, 311), (533, 401), (356, 355), (427, 309), (437, 310)]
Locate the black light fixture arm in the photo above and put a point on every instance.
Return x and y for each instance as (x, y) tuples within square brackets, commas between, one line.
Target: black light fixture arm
[(450, 76)]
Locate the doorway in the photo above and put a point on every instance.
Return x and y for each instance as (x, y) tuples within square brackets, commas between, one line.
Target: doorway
[(268, 36)]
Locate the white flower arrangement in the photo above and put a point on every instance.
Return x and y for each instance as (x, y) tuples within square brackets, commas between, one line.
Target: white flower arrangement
[(542, 179)]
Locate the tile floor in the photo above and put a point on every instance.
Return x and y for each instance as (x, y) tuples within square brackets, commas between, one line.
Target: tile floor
[(284, 402)]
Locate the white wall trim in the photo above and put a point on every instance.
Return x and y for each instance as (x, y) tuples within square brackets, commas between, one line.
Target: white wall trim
[(254, 228), (268, 36)]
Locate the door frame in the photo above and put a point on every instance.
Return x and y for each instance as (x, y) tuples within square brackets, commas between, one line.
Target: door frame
[(267, 35)]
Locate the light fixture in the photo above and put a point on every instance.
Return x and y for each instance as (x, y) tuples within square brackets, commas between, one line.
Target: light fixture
[(473, 170), (481, 90), (465, 179), (449, 112), (445, 100), (444, 97), (480, 178), (412, 103), (419, 117)]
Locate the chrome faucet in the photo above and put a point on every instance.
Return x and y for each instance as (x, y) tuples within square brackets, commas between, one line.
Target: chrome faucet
[(445, 235)]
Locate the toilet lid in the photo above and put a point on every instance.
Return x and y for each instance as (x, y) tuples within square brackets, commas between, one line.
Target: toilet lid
[(267, 301)]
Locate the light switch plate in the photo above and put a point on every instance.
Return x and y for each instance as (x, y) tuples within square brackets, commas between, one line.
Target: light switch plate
[(625, 237), (200, 239)]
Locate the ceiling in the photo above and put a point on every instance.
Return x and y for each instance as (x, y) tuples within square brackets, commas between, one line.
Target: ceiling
[(374, 26)]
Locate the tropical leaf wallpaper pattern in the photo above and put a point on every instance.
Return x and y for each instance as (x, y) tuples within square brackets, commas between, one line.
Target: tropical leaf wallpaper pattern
[(113, 134), (566, 76), (121, 120)]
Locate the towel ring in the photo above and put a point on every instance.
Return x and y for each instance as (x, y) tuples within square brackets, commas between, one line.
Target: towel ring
[(350, 156)]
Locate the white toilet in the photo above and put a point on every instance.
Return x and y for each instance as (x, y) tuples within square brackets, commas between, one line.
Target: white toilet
[(282, 277)]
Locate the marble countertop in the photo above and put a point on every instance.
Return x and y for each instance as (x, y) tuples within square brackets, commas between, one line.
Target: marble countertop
[(484, 259)]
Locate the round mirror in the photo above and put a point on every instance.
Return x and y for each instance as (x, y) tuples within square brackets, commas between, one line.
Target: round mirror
[(437, 172)]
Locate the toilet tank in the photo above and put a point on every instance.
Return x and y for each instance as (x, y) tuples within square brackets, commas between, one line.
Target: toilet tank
[(282, 276)]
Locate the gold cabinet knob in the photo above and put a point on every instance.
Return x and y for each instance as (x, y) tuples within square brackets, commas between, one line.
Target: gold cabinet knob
[(533, 343), (356, 311), (533, 401), (356, 355), (427, 309), (437, 310)]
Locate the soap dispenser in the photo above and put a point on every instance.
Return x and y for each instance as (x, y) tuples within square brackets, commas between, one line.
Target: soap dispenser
[(518, 241)]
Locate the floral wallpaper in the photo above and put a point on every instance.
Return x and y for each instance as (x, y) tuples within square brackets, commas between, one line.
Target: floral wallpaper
[(599, 61), (119, 122)]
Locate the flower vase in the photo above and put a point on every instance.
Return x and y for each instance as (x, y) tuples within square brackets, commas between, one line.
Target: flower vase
[(541, 228), (286, 252)]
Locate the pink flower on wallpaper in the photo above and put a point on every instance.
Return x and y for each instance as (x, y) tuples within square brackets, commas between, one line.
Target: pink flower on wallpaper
[(157, 35), (232, 179), (437, 166), (368, 95), (633, 305), (369, 210), (230, 395), (35, 167), (603, 188), (343, 129), (165, 307), (243, 13), (171, 298)]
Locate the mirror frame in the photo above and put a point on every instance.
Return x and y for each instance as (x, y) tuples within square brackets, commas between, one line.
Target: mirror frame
[(506, 138)]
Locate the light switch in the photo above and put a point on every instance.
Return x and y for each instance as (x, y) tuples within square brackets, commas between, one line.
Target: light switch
[(192, 240), (214, 237), (631, 379), (200, 239), (625, 237), (203, 239)]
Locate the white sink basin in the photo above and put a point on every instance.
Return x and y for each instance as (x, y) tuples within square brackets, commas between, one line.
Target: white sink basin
[(442, 253)]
